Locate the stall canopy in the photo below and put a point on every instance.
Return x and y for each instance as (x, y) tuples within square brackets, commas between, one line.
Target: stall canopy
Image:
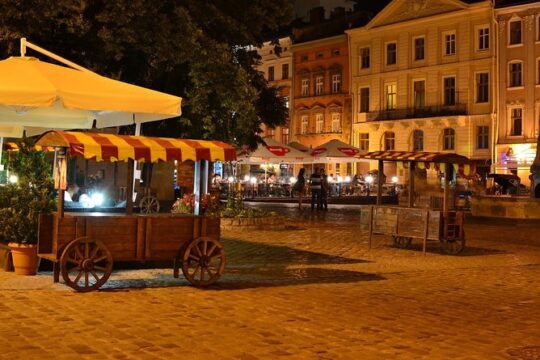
[(273, 152), (423, 159), (336, 151), (12, 146), (110, 147)]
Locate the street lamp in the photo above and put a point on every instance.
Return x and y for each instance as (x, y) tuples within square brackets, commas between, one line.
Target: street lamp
[(395, 181), (253, 181)]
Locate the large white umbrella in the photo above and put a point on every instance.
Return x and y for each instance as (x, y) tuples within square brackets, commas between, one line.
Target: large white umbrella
[(335, 151), (273, 152)]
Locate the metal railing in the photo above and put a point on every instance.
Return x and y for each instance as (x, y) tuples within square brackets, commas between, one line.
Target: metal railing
[(424, 112)]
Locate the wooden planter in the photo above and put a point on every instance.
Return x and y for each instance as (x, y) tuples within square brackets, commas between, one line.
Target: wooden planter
[(25, 258), (5, 258), (262, 223)]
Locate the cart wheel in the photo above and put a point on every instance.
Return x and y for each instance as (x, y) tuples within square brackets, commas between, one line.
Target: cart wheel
[(86, 264), (402, 242), (453, 247), (203, 261), (149, 205)]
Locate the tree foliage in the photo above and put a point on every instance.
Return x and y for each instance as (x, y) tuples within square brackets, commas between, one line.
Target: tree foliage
[(201, 50)]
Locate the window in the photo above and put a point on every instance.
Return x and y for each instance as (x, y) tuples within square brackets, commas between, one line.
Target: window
[(450, 44), (363, 141), (449, 136), (482, 137), (336, 52), (336, 122), (515, 74), (515, 32), (305, 87), (391, 57), (364, 100), (517, 121), (336, 83), (419, 89), (389, 140), (483, 38), (449, 84), (285, 71), (271, 132), (270, 73), (284, 135), (482, 87), (304, 58), (419, 52), (319, 123), (319, 85), (391, 96), (319, 55), (304, 128), (418, 140), (364, 58)]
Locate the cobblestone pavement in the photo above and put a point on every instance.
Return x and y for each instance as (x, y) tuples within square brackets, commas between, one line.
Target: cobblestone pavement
[(314, 291)]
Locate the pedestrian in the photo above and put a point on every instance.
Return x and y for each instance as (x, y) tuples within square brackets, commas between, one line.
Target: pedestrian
[(325, 188), (300, 186), (315, 187)]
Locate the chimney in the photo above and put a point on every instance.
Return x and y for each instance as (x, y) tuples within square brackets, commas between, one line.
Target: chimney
[(316, 15)]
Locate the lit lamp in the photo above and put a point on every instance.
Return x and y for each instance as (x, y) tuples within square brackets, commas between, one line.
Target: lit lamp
[(293, 180), (395, 181), (13, 179), (246, 178), (253, 181), (369, 180)]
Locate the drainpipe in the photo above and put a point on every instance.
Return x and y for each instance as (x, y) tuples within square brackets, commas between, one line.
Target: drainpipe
[(495, 103)]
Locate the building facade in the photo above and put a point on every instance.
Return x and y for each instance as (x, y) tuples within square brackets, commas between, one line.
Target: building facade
[(422, 79), (321, 106), (518, 60), (277, 69)]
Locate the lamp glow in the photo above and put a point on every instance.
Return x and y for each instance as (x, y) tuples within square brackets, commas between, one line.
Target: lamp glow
[(97, 199), (13, 179), (369, 179), (253, 180), (347, 179), (231, 179), (330, 179), (292, 180), (340, 178), (394, 179), (246, 177)]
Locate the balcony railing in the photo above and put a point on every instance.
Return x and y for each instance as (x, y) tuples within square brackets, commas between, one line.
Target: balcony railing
[(424, 112)]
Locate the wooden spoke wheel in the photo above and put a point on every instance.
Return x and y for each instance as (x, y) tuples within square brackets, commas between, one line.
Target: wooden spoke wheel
[(453, 246), (402, 242), (203, 261), (86, 264), (149, 205)]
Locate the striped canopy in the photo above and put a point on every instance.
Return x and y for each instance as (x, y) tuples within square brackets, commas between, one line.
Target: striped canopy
[(416, 156), (110, 147), (13, 146)]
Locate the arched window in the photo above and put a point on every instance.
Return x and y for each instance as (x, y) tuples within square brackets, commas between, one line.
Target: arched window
[(389, 140), (449, 139), (418, 140)]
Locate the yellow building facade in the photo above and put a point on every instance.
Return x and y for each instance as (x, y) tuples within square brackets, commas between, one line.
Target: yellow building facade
[(422, 78), (518, 61)]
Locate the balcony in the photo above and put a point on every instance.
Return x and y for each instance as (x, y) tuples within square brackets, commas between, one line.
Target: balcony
[(425, 112)]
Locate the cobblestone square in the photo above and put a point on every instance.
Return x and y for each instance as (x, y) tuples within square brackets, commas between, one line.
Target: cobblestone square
[(313, 291)]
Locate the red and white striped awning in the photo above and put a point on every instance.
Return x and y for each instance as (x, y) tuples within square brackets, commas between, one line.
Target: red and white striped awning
[(111, 147)]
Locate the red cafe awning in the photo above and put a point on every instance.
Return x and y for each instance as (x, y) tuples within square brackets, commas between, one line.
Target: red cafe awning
[(111, 147)]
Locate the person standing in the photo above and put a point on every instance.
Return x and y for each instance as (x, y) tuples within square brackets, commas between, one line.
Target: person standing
[(315, 187), (324, 191), (300, 186)]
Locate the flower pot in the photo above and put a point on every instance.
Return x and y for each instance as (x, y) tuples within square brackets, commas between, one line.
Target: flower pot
[(25, 259)]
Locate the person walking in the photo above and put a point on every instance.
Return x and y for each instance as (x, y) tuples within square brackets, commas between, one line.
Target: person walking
[(315, 187), (300, 186), (325, 188)]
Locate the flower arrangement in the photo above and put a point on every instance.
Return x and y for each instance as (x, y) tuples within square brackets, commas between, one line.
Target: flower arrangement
[(209, 204)]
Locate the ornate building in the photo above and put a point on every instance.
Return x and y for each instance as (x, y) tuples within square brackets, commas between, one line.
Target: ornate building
[(423, 79), (518, 60), (277, 69)]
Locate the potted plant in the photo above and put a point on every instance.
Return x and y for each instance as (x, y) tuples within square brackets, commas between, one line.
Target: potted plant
[(28, 194)]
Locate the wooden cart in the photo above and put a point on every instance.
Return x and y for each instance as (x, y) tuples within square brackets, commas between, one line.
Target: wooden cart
[(404, 224), (84, 246)]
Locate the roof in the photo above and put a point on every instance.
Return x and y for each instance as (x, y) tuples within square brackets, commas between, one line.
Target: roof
[(13, 146), (110, 147), (416, 156)]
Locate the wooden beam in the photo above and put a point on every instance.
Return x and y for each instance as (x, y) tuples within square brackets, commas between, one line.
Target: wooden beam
[(380, 182), (197, 187), (446, 199), (412, 166), (60, 203), (129, 187)]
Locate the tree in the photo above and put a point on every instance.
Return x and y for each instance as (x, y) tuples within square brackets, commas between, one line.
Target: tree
[(201, 50)]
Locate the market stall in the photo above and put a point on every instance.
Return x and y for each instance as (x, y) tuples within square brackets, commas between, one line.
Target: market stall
[(83, 246), (406, 223)]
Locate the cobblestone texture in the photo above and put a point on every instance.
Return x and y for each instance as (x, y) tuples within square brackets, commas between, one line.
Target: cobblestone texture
[(313, 291)]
